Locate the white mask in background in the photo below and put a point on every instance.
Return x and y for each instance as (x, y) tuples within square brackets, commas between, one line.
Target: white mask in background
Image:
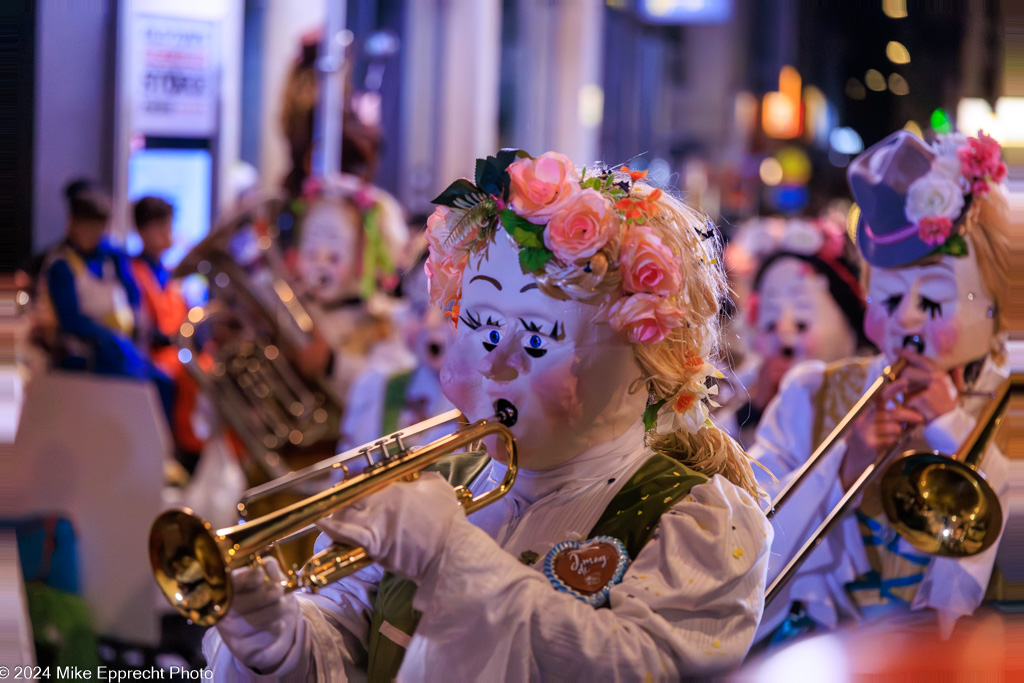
[(559, 362), (327, 251), (798, 318), (944, 303)]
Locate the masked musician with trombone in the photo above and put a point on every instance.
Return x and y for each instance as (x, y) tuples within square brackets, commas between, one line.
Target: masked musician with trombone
[(631, 545), (933, 229)]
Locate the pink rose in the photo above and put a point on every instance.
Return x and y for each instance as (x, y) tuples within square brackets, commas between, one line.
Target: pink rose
[(981, 158), (540, 186), (647, 264), (646, 318), (583, 225), (933, 230)]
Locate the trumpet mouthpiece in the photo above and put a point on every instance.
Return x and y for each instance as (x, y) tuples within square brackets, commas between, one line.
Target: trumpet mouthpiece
[(506, 413)]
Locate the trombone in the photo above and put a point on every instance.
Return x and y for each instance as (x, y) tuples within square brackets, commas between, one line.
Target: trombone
[(192, 562), (941, 504)]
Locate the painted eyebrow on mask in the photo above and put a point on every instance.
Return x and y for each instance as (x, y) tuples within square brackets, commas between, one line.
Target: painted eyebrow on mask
[(532, 285), (486, 278)]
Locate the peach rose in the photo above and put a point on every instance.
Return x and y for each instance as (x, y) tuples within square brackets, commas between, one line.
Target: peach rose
[(540, 186), (646, 318), (583, 225), (444, 277), (647, 264)]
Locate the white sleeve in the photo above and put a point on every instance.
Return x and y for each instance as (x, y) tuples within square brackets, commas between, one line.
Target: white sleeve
[(364, 410), (784, 436), (689, 603), (332, 643)]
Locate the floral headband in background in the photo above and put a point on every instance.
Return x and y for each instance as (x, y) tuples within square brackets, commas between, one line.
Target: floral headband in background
[(585, 236)]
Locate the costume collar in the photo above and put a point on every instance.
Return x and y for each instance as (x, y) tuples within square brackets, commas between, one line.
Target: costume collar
[(601, 462)]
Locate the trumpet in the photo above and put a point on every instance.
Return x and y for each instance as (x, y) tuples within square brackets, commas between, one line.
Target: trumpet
[(941, 504), (192, 562)]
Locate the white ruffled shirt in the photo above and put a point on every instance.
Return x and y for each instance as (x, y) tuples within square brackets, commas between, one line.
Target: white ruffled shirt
[(951, 587), (689, 603)]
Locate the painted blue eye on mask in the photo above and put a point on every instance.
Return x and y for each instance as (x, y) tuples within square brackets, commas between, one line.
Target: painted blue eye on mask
[(493, 338)]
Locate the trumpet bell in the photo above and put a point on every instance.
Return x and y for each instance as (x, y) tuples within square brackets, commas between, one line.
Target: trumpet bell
[(941, 505), (189, 567)]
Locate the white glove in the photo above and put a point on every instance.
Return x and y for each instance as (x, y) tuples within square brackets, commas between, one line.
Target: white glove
[(264, 622), (403, 527)]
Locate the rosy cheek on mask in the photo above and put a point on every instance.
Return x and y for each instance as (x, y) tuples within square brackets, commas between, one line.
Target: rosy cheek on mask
[(809, 344), (875, 320), (944, 334), (557, 389)]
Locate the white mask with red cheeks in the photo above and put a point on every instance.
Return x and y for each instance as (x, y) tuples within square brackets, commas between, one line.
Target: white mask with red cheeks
[(797, 317), (559, 362), (942, 304), (326, 253)]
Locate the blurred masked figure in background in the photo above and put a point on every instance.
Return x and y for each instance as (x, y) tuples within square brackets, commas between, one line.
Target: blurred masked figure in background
[(351, 238), (805, 303), (381, 403), (933, 229)]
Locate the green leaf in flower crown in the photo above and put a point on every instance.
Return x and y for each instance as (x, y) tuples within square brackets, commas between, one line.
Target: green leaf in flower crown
[(511, 220), (462, 194), (527, 239), (955, 245), (492, 172), (651, 414), (531, 259)]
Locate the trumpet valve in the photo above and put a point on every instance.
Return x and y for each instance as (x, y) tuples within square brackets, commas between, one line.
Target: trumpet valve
[(463, 495)]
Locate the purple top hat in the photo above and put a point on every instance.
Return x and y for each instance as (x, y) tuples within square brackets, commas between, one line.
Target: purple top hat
[(880, 180)]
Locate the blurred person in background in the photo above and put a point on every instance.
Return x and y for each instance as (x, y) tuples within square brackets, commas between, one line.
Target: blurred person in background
[(162, 312), (381, 403), (805, 303), (90, 299), (933, 229), (351, 238)]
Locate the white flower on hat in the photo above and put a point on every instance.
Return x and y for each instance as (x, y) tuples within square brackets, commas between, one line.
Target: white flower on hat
[(934, 195)]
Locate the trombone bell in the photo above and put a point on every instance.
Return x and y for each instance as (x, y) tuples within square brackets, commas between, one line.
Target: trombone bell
[(941, 505)]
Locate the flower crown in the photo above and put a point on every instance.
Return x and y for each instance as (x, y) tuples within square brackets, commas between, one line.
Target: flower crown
[(585, 236), (963, 167), (376, 265)]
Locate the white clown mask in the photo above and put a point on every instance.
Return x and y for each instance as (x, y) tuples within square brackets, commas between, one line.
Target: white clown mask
[(797, 317), (327, 252), (941, 307), (559, 362)]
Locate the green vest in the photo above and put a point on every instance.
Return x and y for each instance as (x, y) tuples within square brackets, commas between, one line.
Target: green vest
[(631, 516), (394, 400)]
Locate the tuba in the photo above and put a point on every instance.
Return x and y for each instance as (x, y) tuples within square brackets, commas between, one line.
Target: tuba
[(243, 346)]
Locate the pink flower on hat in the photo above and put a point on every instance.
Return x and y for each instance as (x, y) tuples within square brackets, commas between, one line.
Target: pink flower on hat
[(646, 318), (934, 230), (541, 186), (980, 159), (647, 264), (581, 226)]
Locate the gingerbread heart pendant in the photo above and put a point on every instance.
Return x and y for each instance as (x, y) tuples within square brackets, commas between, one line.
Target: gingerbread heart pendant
[(587, 569)]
